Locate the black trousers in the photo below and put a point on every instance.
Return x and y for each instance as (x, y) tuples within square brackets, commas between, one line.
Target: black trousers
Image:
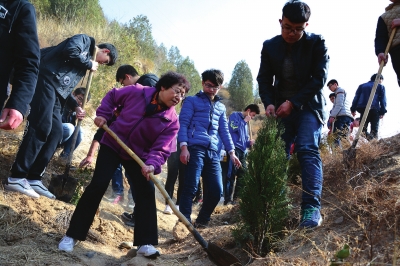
[(373, 118), (145, 204), (233, 173), (42, 134), (176, 170)]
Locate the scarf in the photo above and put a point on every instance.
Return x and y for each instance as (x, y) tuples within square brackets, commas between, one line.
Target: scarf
[(154, 107)]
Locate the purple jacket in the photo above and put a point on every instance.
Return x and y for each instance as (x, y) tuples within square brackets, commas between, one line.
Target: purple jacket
[(149, 137)]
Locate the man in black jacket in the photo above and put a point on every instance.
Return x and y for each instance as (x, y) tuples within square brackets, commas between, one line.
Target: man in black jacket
[(61, 68), (19, 51), (292, 74)]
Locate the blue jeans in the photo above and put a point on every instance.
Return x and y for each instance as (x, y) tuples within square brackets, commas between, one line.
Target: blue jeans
[(205, 163), (342, 128), (118, 182), (304, 127), (68, 132)]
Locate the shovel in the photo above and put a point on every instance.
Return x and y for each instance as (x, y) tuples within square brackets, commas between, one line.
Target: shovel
[(220, 256), (64, 186), (350, 154)]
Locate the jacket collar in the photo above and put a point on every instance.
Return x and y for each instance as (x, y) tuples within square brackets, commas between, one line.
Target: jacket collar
[(202, 95), (148, 92)]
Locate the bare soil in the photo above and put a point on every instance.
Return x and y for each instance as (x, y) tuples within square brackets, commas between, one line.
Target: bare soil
[(359, 207)]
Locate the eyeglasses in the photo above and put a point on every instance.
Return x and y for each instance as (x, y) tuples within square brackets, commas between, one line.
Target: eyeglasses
[(179, 93), (122, 81), (288, 30), (80, 99), (211, 86)]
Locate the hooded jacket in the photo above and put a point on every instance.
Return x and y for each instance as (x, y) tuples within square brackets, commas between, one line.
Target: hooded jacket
[(239, 131), (19, 49), (310, 59), (150, 137)]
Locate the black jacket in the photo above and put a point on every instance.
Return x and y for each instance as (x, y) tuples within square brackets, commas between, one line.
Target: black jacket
[(64, 65), (19, 49), (310, 59)]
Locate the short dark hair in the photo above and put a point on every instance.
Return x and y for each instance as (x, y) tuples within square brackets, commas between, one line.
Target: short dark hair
[(373, 77), (214, 75), (171, 78), (82, 90), (332, 95), (296, 11), (113, 52), (125, 70), (332, 81), (253, 108)]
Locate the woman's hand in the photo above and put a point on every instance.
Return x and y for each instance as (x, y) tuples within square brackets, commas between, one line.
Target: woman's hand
[(147, 170)]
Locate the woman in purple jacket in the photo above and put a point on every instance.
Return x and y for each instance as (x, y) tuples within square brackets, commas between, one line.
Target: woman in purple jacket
[(148, 124)]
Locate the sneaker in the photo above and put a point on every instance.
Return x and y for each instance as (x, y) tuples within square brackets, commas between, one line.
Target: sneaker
[(117, 199), (38, 186), (126, 216), (130, 223), (20, 185), (114, 197), (67, 244), (310, 218), (167, 210), (148, 251), (129, 219)]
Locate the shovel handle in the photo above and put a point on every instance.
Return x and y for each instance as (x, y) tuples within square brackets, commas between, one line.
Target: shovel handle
[(160, 187), (371, 96), (77, 127)]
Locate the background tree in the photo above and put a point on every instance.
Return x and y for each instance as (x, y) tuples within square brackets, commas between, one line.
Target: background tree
[(262, 218), (241, 86), (187, 68), (140, 27), (88, 11)]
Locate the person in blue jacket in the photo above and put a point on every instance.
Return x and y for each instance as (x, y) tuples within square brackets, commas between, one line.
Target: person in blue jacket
[(378, 105), (61, 68), (202, 119), (239, 130), (293, 71), (20, 56)]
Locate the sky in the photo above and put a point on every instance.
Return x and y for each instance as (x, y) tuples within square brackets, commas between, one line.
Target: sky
[(220, 33)]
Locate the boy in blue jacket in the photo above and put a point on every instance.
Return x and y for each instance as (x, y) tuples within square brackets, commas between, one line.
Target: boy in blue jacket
[(61, 68), (239, 130), (202, 119)]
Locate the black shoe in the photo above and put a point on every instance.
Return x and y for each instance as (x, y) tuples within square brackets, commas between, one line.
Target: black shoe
[(127, 217), (130, 223), (200, 225)]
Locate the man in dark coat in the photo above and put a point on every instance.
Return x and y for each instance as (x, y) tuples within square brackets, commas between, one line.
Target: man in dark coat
[(19, 53), (293, 71), (61, 68)]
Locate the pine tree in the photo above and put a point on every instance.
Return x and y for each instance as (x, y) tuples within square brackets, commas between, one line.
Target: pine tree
[(241, 86), (264, 202)]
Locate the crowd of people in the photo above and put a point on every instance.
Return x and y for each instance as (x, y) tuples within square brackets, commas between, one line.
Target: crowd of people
[(293, 72)]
